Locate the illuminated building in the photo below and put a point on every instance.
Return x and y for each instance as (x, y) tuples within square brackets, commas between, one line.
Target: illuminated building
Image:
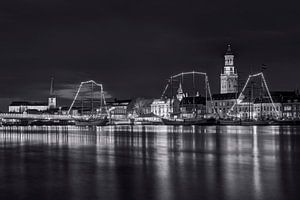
[(229, 76)]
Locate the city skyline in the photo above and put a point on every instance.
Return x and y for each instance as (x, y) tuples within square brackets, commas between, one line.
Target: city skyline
[(156, 99), (133, 50)]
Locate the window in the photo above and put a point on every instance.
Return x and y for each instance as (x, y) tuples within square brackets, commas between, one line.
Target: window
[(287, 108)]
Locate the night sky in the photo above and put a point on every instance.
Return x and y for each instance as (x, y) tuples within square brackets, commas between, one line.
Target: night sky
[(132, 47)]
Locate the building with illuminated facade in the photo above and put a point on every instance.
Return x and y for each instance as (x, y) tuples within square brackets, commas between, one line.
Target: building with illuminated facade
[(229, 76)]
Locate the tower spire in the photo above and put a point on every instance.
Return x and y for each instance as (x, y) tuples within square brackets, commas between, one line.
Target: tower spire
[(52, 98), (180, 94), (51, 87), (180, 88), (229, 51)]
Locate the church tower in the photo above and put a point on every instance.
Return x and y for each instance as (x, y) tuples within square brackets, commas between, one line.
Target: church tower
[(229, 76), (52, 98)]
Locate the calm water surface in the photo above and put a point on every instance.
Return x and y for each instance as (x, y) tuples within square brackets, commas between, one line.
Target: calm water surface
[(150, 162)]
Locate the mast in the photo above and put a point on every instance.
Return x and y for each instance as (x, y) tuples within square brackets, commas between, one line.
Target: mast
[(92, 97), (81, 105), (251, 108), (249, 104), (101, 97), (206, 106), (171, 99), (194, 94), (261, 98)]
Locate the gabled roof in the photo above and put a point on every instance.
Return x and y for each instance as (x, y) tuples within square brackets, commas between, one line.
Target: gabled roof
[(225, 96), (193, 100)]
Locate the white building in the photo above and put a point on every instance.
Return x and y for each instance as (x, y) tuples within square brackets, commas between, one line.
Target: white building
[(24, 106), (118, 109), (52, 102), (267, 110), (257, 110), (162, 107)]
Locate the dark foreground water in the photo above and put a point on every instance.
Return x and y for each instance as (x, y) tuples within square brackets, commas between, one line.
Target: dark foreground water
[(150, 163)]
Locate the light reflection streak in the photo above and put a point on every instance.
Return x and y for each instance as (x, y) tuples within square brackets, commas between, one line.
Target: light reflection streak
[(256, 165)]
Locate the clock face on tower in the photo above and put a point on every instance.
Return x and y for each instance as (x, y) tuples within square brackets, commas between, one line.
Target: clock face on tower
[(228, 84)]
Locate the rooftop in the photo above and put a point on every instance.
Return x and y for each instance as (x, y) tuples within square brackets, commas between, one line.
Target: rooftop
[(28, 103), (225, 96), (117, 102), (193, 100)]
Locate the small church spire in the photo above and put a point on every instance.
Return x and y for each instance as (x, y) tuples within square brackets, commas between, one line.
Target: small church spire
[(180, 89), (180, 93), (52, 98), (51, 87)]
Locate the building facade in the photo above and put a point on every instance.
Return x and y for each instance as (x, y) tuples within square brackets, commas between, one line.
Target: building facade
[(25, 106), (222, 103), (161, 107), (291, 108), (165, 107), (118, 109), (193, 107)]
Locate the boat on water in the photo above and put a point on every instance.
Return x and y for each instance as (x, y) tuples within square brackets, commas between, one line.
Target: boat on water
[(229, 122), (91, 121), (254, 122), (238, 122), (51, 123), (93, 113), (285, 122), (120, 122), (148, 123), (189, 121)]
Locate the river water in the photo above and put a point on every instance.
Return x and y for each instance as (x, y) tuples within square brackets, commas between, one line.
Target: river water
[(150, 162)]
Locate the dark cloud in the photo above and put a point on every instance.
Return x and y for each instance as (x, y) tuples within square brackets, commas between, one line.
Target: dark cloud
[(133, 46), (69, 91)]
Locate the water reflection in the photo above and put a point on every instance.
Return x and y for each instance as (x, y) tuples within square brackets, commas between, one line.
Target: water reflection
[(150, 162)]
